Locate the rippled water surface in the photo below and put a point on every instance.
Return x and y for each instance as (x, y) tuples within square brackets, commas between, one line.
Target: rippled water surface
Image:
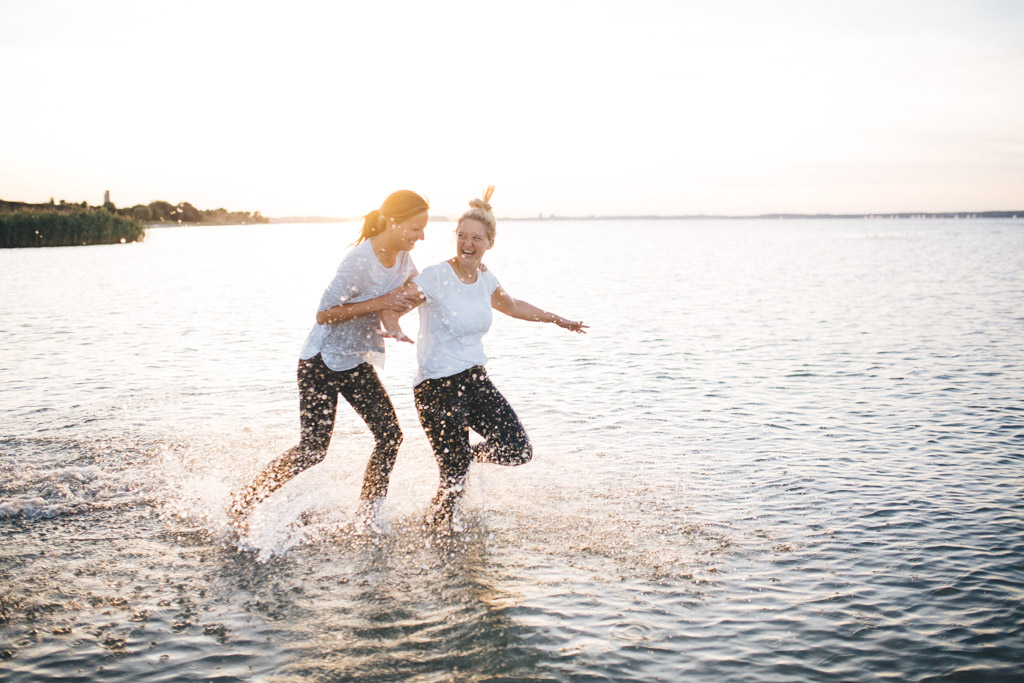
[(786, 451)]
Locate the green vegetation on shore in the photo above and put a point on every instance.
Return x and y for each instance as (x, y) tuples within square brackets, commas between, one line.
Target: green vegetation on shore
[(64, 224), (165, 212), (155, 212), (67, 228)]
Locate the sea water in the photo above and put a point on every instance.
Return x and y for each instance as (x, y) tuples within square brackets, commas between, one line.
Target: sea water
[(786, 450)]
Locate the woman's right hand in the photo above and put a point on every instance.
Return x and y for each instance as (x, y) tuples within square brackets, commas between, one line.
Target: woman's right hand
[(399, 301), (402, 300)]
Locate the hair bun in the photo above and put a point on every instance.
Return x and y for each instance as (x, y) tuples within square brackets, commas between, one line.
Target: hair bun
[(480, 204), (485, 203)]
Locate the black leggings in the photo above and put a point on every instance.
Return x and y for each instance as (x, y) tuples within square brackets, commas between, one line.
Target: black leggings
[(319, 387), (448, 408)]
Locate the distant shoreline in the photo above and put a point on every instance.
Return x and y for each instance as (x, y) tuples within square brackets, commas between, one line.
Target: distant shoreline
[(779, 216), (188, 224), (919, 215)]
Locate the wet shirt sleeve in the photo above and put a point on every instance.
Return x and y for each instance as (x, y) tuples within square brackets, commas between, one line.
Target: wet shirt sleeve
[(347, 285), (491, 279), (429, 283)]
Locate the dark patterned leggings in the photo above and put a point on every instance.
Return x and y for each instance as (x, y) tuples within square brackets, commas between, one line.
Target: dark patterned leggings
[(448, 408), (319, 387)]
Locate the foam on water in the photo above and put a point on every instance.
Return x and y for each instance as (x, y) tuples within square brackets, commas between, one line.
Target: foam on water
[(48, 478)]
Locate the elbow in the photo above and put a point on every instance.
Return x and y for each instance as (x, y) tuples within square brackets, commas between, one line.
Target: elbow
[(525, 452)]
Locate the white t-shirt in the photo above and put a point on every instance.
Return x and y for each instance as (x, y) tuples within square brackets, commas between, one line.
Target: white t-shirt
[(361, 276), (453, 321)]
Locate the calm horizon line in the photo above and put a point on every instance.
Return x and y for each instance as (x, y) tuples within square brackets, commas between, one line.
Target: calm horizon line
[(554, 217)]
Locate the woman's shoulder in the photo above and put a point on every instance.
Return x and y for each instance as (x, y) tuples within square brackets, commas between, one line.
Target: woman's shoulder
[(358, 256), (436, 272), (437, 268), (430, 279), (490, 279)]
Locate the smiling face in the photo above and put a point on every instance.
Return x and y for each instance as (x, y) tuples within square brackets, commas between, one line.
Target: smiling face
[(407, 232), (471, 243)]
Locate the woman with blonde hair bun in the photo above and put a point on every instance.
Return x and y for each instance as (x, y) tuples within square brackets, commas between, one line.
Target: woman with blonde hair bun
[(452, 390), (342, 348)]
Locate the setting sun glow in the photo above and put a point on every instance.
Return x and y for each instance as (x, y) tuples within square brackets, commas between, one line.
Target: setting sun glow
[(603, 108)]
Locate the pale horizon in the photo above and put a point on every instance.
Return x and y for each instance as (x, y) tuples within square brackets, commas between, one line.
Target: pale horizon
[(608, 109)]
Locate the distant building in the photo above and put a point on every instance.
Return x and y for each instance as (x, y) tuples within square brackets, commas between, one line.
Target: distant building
[(106, 197)]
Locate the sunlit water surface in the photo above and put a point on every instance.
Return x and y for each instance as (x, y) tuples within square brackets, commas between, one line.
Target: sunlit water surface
[(787, 450)]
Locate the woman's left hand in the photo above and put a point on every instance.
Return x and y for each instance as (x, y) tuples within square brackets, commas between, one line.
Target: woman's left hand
[(572, 325), (397, 335)]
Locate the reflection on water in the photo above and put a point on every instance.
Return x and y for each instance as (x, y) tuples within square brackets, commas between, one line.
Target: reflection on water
[(786, 450)]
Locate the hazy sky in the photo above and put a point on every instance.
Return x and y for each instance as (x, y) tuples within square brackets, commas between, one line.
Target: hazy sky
[(574, 108)]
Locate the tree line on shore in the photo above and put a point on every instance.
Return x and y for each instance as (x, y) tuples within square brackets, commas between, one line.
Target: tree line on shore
[(69, 224), (157, 211), (68, 228)]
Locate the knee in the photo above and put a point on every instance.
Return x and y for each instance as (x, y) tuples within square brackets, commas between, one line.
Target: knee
[(304, 457), (518, 449), (314, 456), (522, 453), (526, 455), (389, 437), (453, 468)]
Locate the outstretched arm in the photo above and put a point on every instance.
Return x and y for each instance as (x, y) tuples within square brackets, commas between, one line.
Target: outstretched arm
[(517, 308), (389, 318), (398, 300)]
